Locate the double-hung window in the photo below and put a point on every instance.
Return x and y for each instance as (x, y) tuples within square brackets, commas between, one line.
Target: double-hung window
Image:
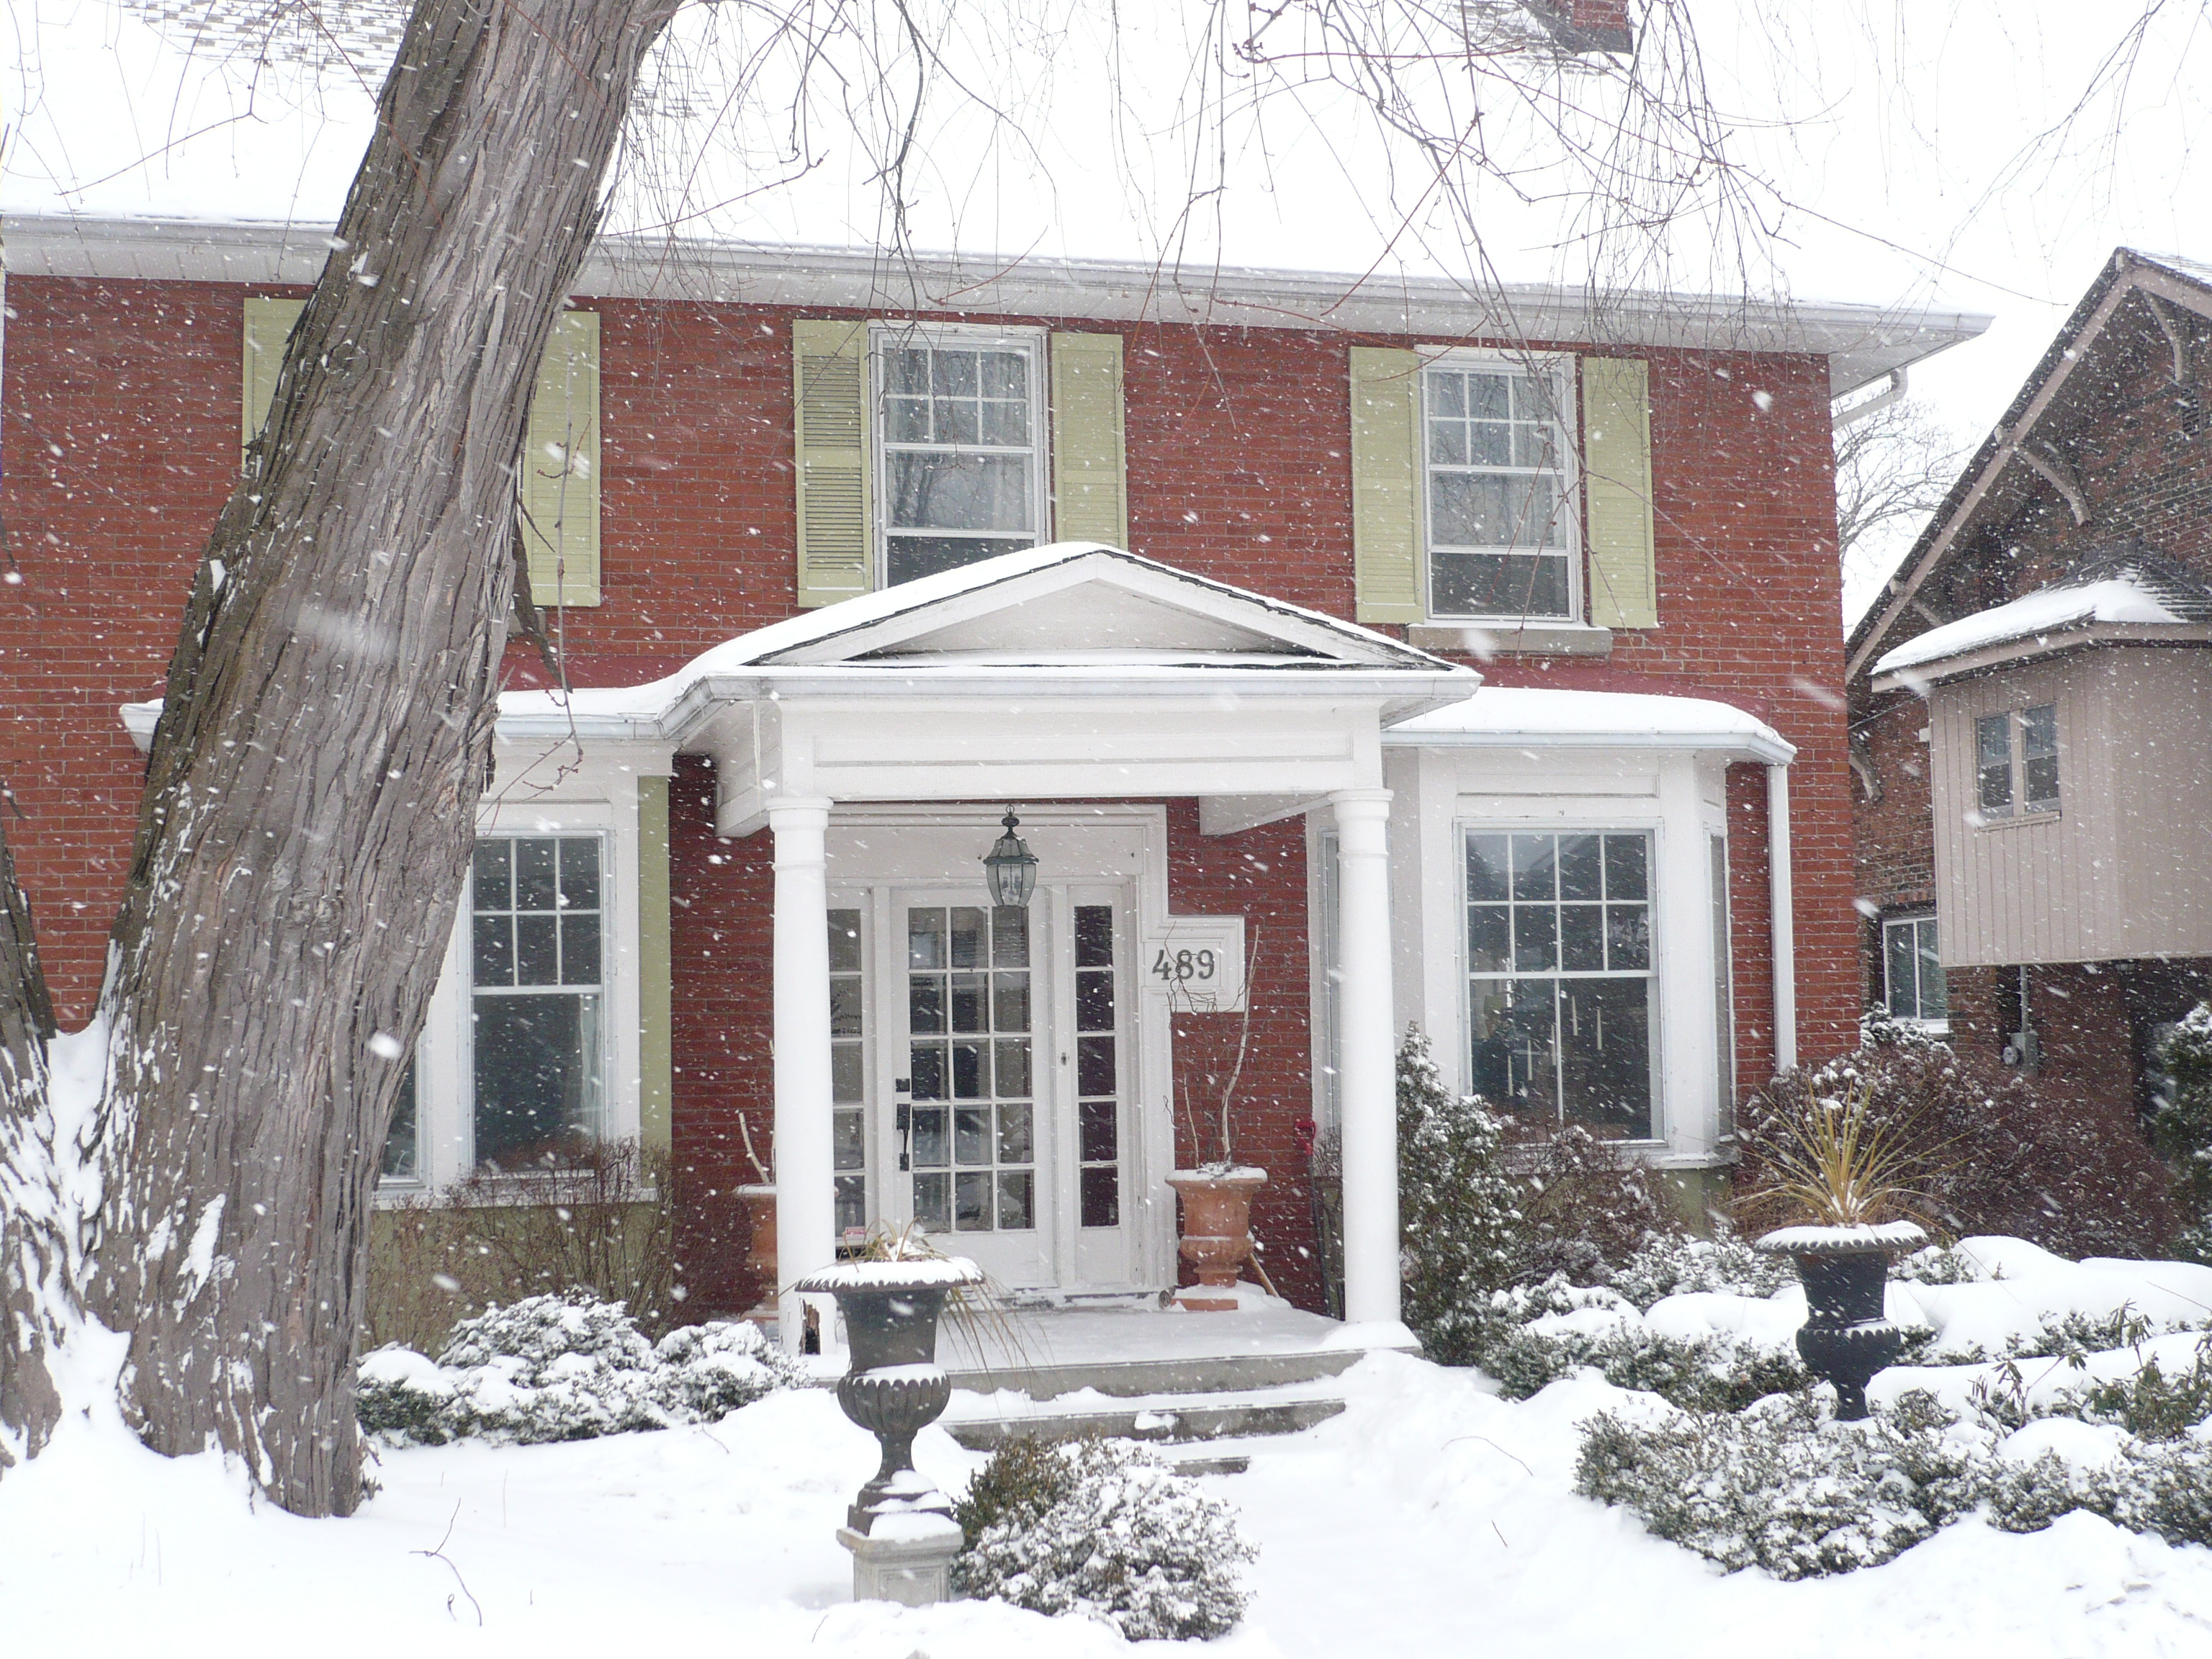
[(537, 998), (2017, 761), (961, 447), (1502, 531), (1559, 977), (1912, 976)]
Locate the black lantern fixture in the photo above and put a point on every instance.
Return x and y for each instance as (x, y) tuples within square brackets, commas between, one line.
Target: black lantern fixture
[(1011, 866)]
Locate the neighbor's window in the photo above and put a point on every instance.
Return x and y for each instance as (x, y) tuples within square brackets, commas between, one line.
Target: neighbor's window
[(961, 463), (1913, 977), (1501, 527), (536, 997), (1559, 951), (2017, 761)]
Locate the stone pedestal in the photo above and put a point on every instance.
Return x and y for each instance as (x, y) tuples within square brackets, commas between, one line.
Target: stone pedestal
[(906, 1559)]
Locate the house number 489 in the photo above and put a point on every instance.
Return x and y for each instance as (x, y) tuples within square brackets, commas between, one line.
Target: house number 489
[(1184, 967)]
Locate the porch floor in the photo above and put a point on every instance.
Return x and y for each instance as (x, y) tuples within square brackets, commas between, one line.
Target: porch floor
[(1134, 1347)]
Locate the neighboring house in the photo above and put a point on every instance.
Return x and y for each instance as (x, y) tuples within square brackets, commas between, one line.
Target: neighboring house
[(2030, 707), (830, 549)]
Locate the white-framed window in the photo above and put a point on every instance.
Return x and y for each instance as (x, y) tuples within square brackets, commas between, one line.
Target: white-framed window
[(960, 446), (1560, 975), (1498, 489), (1912, 974), (537, 998), (2017, 761)]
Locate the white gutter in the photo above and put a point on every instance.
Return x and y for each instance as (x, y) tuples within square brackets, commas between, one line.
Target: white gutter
[(1783, 920), (1861, 343), (1766, 749)]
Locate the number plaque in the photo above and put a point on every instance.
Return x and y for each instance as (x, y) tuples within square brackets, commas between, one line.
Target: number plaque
[(1197, 963)]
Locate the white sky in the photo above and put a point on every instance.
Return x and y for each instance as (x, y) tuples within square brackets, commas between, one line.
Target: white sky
[(1913, 147)]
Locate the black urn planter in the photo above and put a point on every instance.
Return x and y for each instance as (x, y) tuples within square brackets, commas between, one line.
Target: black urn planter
[(1847, 1336), (893, 1387)]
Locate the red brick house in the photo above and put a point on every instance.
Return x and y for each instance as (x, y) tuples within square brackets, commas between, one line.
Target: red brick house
[(2028, 708), (835, 559)]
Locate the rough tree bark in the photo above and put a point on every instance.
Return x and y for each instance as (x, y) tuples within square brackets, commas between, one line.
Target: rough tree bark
[(34, 1256), (311, 795)]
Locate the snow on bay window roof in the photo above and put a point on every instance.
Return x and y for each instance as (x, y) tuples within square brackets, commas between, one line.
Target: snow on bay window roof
[(1544, 718)]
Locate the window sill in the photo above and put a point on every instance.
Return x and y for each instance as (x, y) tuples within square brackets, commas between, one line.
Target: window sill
[(1509, 637), (1980, 820)]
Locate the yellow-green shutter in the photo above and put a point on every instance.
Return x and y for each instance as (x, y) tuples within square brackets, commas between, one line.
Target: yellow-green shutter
[(655, 972), (1617, 486), (268, 325), (1090, 458), (561, 466), (1386, 498), (561, 455), (829, 419)]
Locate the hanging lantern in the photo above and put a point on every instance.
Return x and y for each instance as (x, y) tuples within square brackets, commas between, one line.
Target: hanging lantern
[(1011, 866)]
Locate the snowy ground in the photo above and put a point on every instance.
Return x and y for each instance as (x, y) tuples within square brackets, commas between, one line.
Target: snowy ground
[(1432, 1518)]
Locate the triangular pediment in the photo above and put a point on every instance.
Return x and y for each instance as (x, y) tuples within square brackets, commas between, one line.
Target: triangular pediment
[(1073, 604)]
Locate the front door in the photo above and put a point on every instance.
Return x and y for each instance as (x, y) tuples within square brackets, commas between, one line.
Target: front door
[(1004, 1060)]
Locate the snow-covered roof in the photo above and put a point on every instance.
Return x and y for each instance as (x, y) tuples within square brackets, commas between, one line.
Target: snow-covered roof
[(2111, 601), (1513, 717)]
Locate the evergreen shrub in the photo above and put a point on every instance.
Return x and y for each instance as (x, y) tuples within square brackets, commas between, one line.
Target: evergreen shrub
[(2181, 1128), (1105, 1530), (563, 1367)]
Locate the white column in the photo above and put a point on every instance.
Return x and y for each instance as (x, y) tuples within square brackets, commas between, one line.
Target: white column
[(1783, 918), (1367, 1050), (806, 1196)]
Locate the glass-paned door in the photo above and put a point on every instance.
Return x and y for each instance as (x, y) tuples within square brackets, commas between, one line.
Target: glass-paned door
[(973, 1141)]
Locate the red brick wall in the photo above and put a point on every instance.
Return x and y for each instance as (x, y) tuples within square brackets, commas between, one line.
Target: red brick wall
[(1239, 468)]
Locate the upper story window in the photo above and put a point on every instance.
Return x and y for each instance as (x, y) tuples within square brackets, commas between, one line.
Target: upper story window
[(1501, 525), (2017, 761), (1912, 976), (960, 448)]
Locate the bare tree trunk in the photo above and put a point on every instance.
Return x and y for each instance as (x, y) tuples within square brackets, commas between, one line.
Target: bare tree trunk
[(311, 796), (33, 1258)]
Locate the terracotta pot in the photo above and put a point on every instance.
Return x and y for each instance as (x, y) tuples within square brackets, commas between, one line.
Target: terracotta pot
[(1217, 1233), (760, 1247)]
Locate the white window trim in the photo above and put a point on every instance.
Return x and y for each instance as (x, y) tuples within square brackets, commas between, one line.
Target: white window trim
[(1033, 342), (444, 1057), (1918, 1023), (1561, 369)]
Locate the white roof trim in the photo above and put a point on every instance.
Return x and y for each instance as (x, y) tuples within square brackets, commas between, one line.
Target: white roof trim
[(1861, 343), (1520, 717)]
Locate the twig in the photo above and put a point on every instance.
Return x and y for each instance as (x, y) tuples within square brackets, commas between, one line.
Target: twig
[(440, 1554), (1493, 1446), (759, 1168)]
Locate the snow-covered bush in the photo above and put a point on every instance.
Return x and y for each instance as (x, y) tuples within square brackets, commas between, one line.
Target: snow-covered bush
[(1675, 1265), (2075, 1177), (1783, 1486), (1710, 1374), (565, 1367), (1588, 1206), (1105, 1530), (1940, 1265), (1458, 1210)]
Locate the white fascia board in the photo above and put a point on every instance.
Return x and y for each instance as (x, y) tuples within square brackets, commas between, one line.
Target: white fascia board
[(1861, 343), (2036, 647), (1768, 751)]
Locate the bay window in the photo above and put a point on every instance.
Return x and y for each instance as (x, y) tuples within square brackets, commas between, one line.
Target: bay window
[(1559, 977), (535, 998)]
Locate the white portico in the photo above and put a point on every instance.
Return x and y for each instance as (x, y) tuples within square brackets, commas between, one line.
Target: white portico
[(879, 741)]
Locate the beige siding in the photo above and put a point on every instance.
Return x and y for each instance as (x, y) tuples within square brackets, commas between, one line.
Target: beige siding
[(2120, 871)]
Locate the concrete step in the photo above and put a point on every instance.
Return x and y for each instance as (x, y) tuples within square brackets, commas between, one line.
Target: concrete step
[(1169, 1421), (1131, 1379)]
